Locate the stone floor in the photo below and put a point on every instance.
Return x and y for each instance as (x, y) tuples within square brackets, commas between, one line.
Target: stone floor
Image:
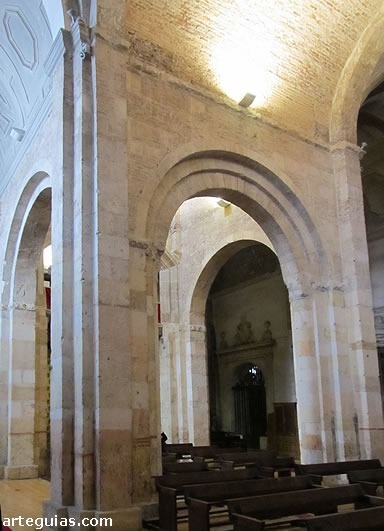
[(23, 498)]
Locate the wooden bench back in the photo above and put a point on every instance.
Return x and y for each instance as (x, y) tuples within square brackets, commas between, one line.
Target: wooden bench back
[(317, 500), (184, 467), (179, 448), (337, 467), (205, 451), (361, 520), (212, 476), (238, 489), (376, 474), (262, 457)]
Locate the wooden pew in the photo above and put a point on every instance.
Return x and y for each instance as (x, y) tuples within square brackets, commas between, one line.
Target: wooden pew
[(183, 467), (319, 470), (206, 452), (211, 454), (370, 480), (180, 449), (280, 466), (244, 459), (171, 486), (202, 498), (360, 520), (297, 506)]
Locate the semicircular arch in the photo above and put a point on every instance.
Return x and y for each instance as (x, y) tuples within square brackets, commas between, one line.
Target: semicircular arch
[(363, 71), (33, 189), (200, 290), (257, 191)]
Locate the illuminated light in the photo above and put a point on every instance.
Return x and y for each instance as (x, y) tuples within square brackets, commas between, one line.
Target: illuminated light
[(222, 202), (243, 60), (247, 100), (47, 257), (219, 201)]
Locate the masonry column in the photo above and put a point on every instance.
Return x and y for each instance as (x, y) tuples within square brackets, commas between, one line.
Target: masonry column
[(197, 385), (307, 378), (127, 420), (368, 417), (62, 371)]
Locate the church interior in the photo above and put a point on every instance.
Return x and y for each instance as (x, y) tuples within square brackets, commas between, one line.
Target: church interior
[(191, 243)]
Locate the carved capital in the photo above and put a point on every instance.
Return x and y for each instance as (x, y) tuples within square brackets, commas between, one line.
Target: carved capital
[(81, 35)]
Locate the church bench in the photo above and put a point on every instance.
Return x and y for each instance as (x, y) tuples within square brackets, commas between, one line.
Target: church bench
[(171, 486), (183, 467), (319, 470), (206, 452), (299, 505), (212, 453), (243, 459), (180, 449), (369, 480), (200, 499), (280, 466), (359, 520)]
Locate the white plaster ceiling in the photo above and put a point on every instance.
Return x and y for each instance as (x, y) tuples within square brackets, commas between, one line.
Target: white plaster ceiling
[(27, 31)]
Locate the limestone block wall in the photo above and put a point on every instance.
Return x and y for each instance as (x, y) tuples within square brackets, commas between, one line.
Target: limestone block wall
[(171, 131), (258, 302), (199, 231), (23, 394)]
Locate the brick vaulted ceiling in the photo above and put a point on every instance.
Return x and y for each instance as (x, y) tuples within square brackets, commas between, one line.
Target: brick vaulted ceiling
[(289, 53)]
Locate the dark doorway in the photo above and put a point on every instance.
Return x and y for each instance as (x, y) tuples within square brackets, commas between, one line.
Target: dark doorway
[(250, 405)]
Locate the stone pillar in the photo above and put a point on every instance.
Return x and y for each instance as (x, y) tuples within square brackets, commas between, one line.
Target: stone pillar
[(41, 457), (104, 376), (310, 409), (60, 68), (367, 406), (197, 386)]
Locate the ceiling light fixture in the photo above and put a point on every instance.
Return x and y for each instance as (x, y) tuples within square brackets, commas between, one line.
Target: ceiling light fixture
[(247, 100), (222, 202)]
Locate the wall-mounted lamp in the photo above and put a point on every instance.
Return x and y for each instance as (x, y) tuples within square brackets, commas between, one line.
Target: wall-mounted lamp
[(17, 134), (247, 100), (223, 203)]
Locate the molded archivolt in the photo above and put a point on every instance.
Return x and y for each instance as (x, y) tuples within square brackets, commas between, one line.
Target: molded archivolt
[(200, 292), (24, 245), (261, 194), (363, 71), (36, 185)]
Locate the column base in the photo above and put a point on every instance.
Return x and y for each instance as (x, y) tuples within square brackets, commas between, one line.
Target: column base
[(121, 519), (52, 511), (21, 472)]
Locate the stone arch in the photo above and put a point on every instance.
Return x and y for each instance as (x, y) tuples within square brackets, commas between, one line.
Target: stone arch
[(257, 191), (305, 265), (363, 71), (198, 352), (200, 290), (27, 233)]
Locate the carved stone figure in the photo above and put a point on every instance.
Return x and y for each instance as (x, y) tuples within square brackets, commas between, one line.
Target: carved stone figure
[(244, 333), (267, 334)]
